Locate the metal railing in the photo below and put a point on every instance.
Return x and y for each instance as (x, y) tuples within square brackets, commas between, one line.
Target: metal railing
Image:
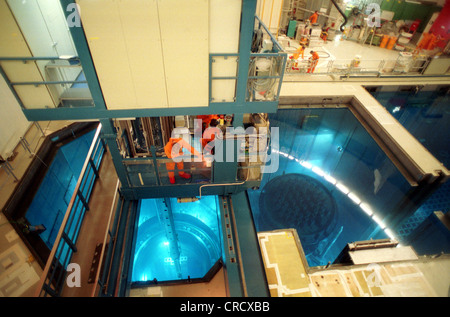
[(262, 85), (267, 67), (53, 276), (349, 67), (62, 83), (152, 171), (99, 280)]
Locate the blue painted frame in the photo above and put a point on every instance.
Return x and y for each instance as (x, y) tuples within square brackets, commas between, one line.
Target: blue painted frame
[(99, 110)]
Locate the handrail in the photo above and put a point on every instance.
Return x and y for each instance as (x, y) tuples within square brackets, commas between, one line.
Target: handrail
[(59, 82), (61, 232), (38, 58), (384, 66), (97, 276), (274, 40)]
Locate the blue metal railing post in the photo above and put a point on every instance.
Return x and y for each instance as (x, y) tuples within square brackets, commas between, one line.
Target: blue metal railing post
[(65, 245), (84, 54), (245, 44), (109, 253), (109, 135), (128, 252), (118, 247)]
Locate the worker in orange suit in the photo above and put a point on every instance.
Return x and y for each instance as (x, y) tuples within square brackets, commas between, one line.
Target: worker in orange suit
[(296, 55), (300, 51), (314, 60), (433, 41), (313, 18), (423, 43), (206, 119), (173, 149), (209, 136)]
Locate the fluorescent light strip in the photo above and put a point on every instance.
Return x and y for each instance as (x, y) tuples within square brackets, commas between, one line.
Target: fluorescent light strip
[(306, 164), (366, 209), (330, 179), (378, 221), (342, 188), (318, 171), (355, 198)]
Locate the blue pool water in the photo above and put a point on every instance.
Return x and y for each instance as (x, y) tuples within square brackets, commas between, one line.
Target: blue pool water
[(425, 113), (55, 191), (334, 184), (197, 237)]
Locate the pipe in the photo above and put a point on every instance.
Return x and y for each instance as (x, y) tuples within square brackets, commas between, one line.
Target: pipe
[(207, 185), (342, 13)]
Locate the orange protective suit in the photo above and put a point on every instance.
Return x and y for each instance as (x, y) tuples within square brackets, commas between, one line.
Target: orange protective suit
[(314, 62), (313, 18), (206, 120), (172, 153), (208, 136), (300, 51)]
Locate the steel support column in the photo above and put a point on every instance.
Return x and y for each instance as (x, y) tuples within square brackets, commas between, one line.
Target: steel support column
[(109, 135), (247, 247), (84, 54)]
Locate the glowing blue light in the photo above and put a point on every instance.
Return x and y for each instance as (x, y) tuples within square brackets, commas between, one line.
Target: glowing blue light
[(364, 206), (342, 188), (355, 198), (306, 164), (318, 171)]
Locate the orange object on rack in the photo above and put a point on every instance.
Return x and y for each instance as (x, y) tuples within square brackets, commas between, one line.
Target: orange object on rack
[(391, 43), (433, 39), (384, 41)]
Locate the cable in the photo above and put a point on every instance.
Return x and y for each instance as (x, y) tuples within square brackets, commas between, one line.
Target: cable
[(343, 15), (264, 84)]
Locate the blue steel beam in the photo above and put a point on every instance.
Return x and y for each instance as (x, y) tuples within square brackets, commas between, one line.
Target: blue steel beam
[(109, 136), (231, 266), (109, 253), (247, 246), (86, 113), (100, 110), (128, 251), (118, 246), (84, 55), (245, 44), (190, 190)]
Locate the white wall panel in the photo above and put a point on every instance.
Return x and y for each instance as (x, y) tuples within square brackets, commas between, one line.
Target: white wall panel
[(184, 35), (140, 24), (147, 53), (45, 30), (270, 13), (155, 53), (104, 33), (13, 123), (224, 25), (32, 97)]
